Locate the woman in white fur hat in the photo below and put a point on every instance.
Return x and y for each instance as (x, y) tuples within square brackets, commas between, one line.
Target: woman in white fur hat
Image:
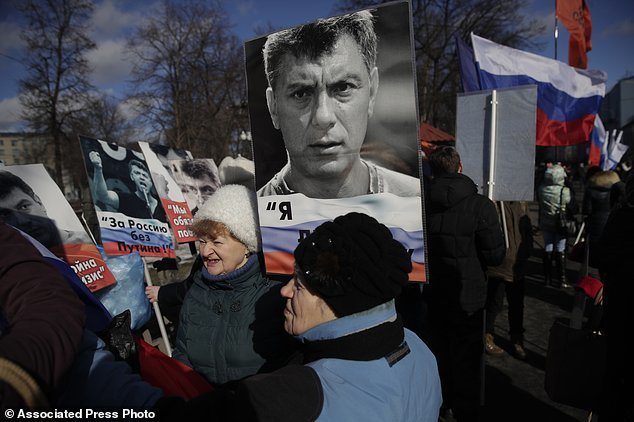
[(231, 319)]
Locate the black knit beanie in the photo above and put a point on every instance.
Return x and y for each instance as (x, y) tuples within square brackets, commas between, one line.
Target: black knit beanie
[(353, 263)]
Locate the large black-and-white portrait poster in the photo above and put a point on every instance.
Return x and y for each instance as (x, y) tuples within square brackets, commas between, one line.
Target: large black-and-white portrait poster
[(332, 105)]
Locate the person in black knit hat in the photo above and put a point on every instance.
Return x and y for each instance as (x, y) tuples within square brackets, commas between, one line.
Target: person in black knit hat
[(359, 363), (353, 263)]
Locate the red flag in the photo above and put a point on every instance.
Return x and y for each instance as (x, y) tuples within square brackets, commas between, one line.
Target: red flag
[(587, 25), (168, 374), (575, 16)]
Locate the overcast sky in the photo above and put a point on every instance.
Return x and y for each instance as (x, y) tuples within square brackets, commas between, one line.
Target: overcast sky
[(613, 37)]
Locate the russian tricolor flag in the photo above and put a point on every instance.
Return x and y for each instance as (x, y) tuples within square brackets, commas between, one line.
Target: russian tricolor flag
[(568, 99), (598, 145)]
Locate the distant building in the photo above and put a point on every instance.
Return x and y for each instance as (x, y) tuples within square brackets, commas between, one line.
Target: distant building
[(31, 148), (25, 148)]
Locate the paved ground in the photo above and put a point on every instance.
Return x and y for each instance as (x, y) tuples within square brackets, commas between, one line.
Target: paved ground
[(514, 389)]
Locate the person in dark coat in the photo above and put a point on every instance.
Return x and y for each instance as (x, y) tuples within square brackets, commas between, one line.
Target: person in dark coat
[(509, 277), (614, 253), (464, 238), (41, 347), (50, 354), (230, 324), (597, 207)]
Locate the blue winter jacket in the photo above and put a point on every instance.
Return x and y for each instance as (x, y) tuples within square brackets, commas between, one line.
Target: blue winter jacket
[(361, 367), (407, 390)]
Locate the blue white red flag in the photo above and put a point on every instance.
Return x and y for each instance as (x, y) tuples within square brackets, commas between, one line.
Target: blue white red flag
[(598, 144), (286, 219), (568, 99)]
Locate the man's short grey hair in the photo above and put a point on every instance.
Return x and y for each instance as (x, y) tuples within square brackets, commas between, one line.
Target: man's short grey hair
[(315, 39)]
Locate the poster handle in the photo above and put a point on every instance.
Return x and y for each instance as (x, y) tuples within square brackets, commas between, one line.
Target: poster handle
[(505, 229), (493, 140), (92, 237), (157, 313)]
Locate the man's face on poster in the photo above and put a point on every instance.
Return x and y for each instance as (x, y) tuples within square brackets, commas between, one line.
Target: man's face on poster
[(322, 108), (197, 190), (28, 214), (18, 200), (141, 179)]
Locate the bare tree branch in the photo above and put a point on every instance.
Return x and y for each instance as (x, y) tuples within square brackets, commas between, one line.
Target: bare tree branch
[(56, 82), (436, 23), (188, 76)]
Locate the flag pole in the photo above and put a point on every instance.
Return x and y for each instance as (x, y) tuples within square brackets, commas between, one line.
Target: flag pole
[(556, 34), (492, 140)]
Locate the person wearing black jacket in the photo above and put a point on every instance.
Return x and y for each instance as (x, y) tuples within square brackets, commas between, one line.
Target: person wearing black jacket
[(596, 209), (464, 238), (614, 252)]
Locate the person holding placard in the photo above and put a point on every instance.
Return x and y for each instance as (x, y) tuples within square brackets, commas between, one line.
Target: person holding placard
[(358, 361), (230, 323), (464, 238)]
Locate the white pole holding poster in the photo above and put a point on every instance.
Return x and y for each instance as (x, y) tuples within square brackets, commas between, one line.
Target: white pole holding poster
[(491, 181), (158, 314), (492, 139)]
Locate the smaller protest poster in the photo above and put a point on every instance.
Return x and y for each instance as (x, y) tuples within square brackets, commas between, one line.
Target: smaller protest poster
[(176, 207), (32, 202), (198, 179), (130, 214)]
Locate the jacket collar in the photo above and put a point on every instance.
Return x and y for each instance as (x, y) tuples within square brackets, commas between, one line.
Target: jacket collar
[(350, 324), (234, 280)]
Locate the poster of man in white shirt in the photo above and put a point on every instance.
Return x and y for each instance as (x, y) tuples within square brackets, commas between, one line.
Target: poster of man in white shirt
[(332, 106)]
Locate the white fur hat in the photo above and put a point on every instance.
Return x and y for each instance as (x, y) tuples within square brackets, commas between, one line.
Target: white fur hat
[(235, 206)]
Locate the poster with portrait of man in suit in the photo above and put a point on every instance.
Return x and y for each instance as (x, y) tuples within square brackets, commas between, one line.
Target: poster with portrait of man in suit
[(332, 105)]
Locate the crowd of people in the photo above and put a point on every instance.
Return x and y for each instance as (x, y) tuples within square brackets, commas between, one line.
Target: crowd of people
[(328, 342), (331, 338)]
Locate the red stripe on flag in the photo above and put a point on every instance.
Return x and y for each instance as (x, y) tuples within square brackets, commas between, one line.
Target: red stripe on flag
[(594, 156), (282, 263), (418, 273), (553, 133), (279, 262)]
